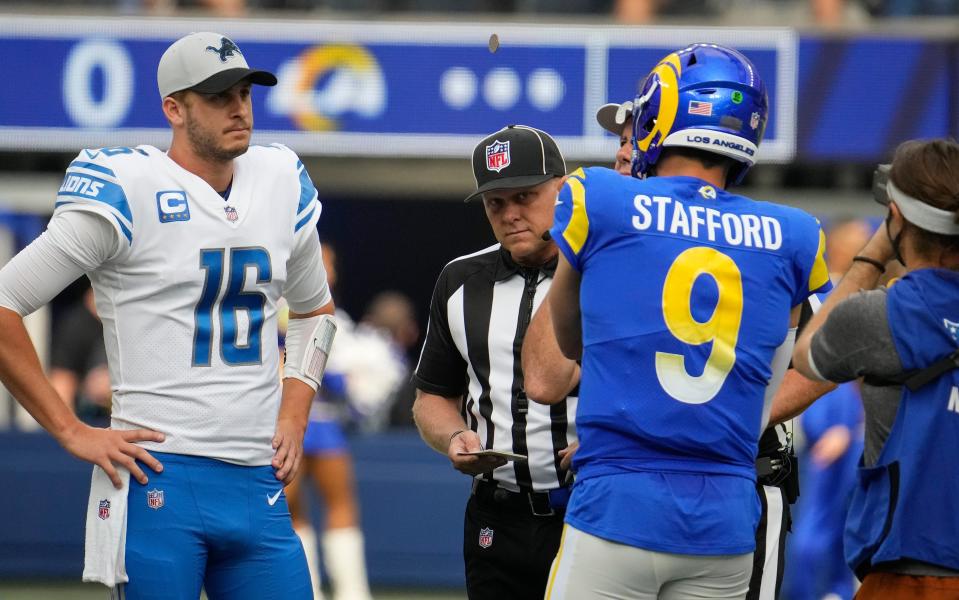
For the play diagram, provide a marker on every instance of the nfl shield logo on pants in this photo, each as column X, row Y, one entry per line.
column 497, row 156
column 155, row 499
column 486, row 537
column 103, row 511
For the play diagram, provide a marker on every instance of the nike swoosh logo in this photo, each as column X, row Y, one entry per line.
column 271, row 500
column 558, row 202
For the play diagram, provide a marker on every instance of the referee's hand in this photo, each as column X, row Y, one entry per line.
column 468, row 441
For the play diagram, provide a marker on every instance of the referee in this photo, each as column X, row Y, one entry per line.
column 470, row 389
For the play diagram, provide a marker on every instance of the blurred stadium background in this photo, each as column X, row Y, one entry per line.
column 383, row 100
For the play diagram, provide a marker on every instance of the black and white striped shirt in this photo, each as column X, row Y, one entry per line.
column 481, row 307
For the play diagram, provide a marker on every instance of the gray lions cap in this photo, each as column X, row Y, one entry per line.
column 205, row 62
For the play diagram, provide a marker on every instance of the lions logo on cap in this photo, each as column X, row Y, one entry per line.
column 497, row 156
column 227, row 49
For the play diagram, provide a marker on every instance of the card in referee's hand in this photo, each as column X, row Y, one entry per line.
column 499, row 453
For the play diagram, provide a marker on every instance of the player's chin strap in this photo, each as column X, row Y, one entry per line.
column 308, row 343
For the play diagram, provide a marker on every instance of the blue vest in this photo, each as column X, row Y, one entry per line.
column 907, row 504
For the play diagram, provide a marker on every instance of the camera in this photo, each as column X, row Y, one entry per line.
column 880, row 177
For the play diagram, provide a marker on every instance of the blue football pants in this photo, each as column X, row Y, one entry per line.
column 206, row 523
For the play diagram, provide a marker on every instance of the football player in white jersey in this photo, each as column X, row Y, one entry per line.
column 188, row 251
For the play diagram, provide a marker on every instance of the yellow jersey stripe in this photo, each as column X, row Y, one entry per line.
column 578, row 227
column 820, row 273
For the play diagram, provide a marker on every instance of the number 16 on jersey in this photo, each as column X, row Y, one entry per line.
column 233, row 300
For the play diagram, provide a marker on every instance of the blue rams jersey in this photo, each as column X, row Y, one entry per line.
column 686, row 294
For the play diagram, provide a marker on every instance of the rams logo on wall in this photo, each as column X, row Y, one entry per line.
column 326, row 82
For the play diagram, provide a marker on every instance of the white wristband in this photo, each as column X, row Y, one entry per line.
column 308, row 343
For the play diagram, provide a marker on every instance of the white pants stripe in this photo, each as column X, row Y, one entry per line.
column 771, row 546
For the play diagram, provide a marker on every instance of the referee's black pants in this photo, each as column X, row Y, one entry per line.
column 507, row 548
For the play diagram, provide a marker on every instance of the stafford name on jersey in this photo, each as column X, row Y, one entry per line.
column 668, row 215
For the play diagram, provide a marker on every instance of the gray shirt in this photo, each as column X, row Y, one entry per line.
column 856, row 342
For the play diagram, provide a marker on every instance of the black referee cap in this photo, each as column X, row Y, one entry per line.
column 516, row 156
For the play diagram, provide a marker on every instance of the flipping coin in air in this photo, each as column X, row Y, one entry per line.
column 493, row 43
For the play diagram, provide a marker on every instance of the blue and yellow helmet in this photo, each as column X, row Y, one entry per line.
column 703, row 96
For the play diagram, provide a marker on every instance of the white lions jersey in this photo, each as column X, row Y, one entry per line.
column 189, row 301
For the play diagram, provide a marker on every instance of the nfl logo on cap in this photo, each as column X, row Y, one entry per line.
column 497, row 156
column 155, row 499
column 485, row 537
column 103, row 511
column 516, row 156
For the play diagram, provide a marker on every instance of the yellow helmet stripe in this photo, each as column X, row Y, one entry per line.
column 667, row 73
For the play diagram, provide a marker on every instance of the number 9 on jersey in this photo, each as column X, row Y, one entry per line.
column 722, row 327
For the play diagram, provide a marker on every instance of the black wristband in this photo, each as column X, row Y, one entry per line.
column 872, row 261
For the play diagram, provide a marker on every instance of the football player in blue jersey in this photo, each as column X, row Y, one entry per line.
column 549, row 380
column 681, row 300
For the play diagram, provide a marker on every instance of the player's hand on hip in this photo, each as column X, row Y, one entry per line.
column 288, row 443
column 110, row 448
column 469, row 441
column 566, row 456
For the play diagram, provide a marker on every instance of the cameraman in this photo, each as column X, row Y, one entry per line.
column 901, row 531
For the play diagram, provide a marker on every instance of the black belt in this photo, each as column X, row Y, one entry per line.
column 535, row 503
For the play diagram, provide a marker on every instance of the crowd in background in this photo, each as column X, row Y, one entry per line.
column 826, row 13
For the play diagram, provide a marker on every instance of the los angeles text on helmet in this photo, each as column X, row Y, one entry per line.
column 666, row 215
column 702, row 139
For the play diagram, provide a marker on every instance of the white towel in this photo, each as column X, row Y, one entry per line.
column 105, row 544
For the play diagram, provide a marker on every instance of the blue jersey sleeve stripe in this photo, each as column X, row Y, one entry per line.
column 305, row 219
column 307, row 192
column 124, row 229
column 92, row 167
